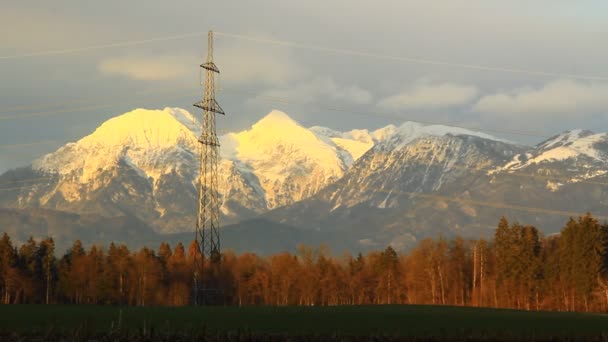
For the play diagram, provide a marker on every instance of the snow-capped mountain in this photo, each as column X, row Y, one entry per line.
column 145, row 163
column 152, row 142
column 569, row 157
column 427, row 180
column 376, row 198
column 289, row 162
column 361, row 189
column 419, row 158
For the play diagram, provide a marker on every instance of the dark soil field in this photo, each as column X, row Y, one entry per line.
column 414, row 323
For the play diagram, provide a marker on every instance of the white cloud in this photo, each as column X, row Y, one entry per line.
column 562, row 97
column 430, row 96
column 318, row 89
column 149, row 68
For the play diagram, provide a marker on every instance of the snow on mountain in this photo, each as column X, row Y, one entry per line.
column 382, row 134
column 568, row 157
column 356, row 142
column 388, row 195
column 274, row 163
column 569, row 145
column 152, row 156
column 373, row 186
column 417, row 159
column 290, row 161
column 398, row 137
column 151, row 141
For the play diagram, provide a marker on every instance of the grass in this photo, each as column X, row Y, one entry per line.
column 393, row 320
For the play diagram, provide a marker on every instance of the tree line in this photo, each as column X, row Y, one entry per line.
column 519, row 268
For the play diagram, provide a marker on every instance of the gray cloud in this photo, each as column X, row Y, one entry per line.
column 319, row 89
column 251, row 64
column 149, row 68
column 557, row 99
column 430, row 96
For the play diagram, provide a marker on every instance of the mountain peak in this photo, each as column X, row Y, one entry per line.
column 149, row 127
column 410, row 131
column 275, row 118
column 568, row 145
column 276, row 128
column 135, row 135
column 566, row 138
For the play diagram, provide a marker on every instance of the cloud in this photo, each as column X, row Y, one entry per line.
column 149, row 68
column 430, row 96
column 254, row 64
column 239, row 64
column 562, row 97
column 316, row 90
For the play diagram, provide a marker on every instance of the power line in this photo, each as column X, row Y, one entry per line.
column 17, row 188
column 102, row 46
column 402, row 59
column 481, row 170
column 78, row 109
column 495, row 205
column 489, row 171
column 537, row 134
column 400, row 117
column 89, row 99
column 26, row 180
column 273, row 99
column 29, row 144
column 286, row 101
column 409, row 59
column 58, row 111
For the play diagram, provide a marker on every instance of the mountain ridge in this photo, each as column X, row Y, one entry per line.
column 360, row 189
column 146, row 161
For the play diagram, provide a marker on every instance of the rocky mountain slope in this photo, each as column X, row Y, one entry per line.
column 427, row 183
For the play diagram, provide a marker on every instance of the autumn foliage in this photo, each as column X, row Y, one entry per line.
column 518, row 268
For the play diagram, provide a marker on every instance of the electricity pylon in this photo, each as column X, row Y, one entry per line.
column 207, row 222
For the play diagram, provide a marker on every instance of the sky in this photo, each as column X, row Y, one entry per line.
column 384, row 71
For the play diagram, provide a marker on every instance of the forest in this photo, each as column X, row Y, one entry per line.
column 518, row 268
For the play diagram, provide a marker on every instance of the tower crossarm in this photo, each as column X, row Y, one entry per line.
column 211, row 67
column 210, row 105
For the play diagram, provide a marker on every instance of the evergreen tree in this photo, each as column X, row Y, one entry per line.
column 164, row 252
column 31, row 265
column 72, row 270
column 503, row 249
column 117, row 265
column 49, row 267
column 389, row 270
column 582, row 257
column 8, row 261
column 530, row 272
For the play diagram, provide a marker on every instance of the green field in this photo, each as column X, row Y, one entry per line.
column 397, row 320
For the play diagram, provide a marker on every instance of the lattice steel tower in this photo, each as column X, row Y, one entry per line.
column 207, row 222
